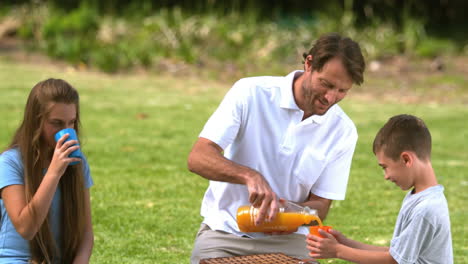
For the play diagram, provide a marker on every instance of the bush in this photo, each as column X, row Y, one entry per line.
column 432, row 47
column 70, row 36
column 243, row 41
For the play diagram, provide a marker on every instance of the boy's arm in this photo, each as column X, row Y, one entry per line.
column 336, row 245
column 358, row 245
column 353, row 243
column 362, row 256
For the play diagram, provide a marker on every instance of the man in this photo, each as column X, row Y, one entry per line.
column 282, row 137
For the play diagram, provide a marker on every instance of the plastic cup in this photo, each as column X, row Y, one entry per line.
column 72, row 136
column 314, row 230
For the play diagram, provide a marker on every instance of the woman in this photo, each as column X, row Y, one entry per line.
column 45, row 201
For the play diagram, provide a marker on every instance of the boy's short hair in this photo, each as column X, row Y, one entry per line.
column 403, row 133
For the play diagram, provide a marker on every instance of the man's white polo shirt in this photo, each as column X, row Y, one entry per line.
column 259, row 125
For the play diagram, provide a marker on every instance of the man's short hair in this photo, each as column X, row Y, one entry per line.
column 403, row 133
column 333, row 45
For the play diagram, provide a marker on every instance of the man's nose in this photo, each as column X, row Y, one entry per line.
column 331, row 96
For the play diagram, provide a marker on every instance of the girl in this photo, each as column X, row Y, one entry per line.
column 45, row 204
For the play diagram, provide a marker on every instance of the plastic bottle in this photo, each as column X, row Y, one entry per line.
column 289, row 218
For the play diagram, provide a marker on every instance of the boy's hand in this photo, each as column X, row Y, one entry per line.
column 325, row 247
column 338, row 236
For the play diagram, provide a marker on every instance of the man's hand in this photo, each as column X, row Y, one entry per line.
column 262, row 197
column 206, row 159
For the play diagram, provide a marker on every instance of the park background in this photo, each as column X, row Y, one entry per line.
column 150, row 73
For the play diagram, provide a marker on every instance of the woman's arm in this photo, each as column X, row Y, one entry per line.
column 84, row 252
column 26, row 222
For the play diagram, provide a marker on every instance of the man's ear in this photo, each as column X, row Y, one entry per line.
column 308, row 63
column 407, row 158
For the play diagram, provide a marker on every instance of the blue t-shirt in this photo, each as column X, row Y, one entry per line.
column 13, row 247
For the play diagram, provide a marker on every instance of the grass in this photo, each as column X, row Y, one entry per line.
column 139, row 129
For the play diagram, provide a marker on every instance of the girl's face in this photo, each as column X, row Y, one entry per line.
column 60, row 117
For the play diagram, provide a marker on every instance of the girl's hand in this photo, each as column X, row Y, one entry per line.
column 60, row 159
column 325, row 247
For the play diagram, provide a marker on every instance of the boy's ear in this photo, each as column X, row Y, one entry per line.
column 407, row 158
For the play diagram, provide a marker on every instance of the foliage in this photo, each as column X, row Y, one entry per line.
column 434, row 47
column 155, row 38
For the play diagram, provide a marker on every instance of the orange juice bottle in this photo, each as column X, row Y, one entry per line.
column 289, row 218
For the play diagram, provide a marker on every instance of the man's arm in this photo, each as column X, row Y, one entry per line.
column 206, row 160
column 322, row 205
column 333, row 179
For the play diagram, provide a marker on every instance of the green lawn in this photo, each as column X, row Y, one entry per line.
column 139, row 129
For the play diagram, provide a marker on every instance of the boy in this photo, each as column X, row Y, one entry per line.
column 422, row 231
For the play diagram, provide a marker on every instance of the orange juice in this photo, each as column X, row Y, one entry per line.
column 284, row 221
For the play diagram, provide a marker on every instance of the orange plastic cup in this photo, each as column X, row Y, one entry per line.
column 314, row 230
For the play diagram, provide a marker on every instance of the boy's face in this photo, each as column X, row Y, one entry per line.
column 397, row 171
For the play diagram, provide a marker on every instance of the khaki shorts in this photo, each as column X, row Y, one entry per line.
column 214, row 244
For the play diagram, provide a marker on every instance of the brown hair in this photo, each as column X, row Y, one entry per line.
column 34, row 153
column 403, row 133
column 333, row 45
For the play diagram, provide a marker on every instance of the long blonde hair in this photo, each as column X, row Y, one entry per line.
column 35, row 153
